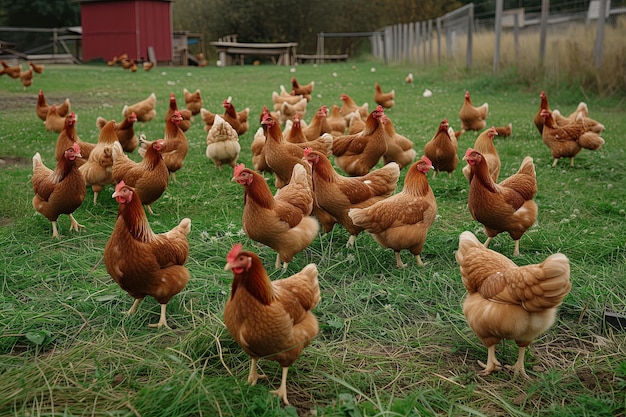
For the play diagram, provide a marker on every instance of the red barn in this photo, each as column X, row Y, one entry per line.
column 113, row 27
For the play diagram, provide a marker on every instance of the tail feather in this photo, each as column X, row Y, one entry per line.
column 37, row 160
column 590, row 140
column 467, row 241
column 527, row 167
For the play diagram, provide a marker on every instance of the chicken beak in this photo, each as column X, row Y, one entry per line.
column 228, row 266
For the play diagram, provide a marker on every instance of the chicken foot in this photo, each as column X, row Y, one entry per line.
column 133, row 308
column 74, row 224
column 162, row 321
column 254, row 376
column 279, row 263
column 518, row 368
column 55, row 231
column 282, row 390
column 399, row 262
column 492, row 363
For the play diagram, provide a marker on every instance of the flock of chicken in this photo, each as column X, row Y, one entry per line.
column 15, row 71
column 273, row 319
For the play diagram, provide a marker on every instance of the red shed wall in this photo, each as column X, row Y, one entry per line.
column 111, row 28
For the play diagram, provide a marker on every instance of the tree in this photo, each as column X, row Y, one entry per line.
column 40, row 13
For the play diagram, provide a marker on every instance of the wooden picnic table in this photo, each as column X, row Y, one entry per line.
column 283, row 53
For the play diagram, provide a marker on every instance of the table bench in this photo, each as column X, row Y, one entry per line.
column 233, row 52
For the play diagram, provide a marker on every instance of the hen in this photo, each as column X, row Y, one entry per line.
column 279, row 99
column 54, row 121
column 149, row 177
column 504, row 207
column 484, row 144
column 125, row 132
column 402, row 220
column 289, row 111
column 303, row 90
column 399, row 147
column 12, row 71
column 237, row 119
column 348, row 105
column 580, row 114
column 357, row 154
column 142, row 262
column 270, row 319
column 543, row 105
column 222, row 143
column 176, row 145
column 98, row 170
column 38, row 68
column 323, row 144
column 61, row 191
column 473, row 118
column 506, row 301
column 185, row 123
column 144, row 109
column 355, row 123
column 42, row 107
column 68, row 137
column 193, row 101
column 387, row 100
column 336, row 121
column 568, row 140
column 504, row 131
column 26, row 77
column 337, row 194
column 282, row 221
column 319, row 124
column 443, row 149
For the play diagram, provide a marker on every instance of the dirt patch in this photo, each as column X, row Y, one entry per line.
column 13, row 161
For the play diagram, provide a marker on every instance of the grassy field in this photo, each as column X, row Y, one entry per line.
column 392, row 342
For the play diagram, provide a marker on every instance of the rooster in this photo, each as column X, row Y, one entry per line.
column 282, row 221
column 473, row 118
column 506, row 301
column 61, row 191
column 442, row 150
column 504, row 207
column 142, row 262
column 270, row 319
column 402, row 220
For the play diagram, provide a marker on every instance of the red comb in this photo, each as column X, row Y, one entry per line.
column 76, row 147
column 239, row 169
column 379, row 108
column 172, row 96
column 119, row 186
column 307, row 151
column 234, row 252
column 425, row 159
column 177, row 113
column 469, row 151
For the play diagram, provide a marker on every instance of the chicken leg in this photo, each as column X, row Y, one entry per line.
column 74, row 224
column 518, row 368
column 162, row 321
column 55, row 231
column 282, row 390
column 133, row 308
column 492, row 363
column 418, row 259
column 254, row 376
column 399, row 262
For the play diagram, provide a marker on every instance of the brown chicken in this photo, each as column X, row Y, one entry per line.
column 357, row 154
column 337, row 194
column 484, row 144
column 237, row 119
column 125, row 131
column 319, row 124
column 68, row 137
column 193, row 101
column 336, row 121
column 323, row 144
column 279, row 99
column 270, row 319
column 38, row 68
column 355, row 123
column 54, row 121
column 149, row 177
column 442, row 150
column 147, row 65
column 506, row 301
column 98, row 170
column 504, row 131
column 580, row 114
column 473, row 118
column 176, row 145
column 402, row 220
column 399, row 147
column 144, row 109
column 387, row 100
column 142, row 262
column 12, row 71
column 303, row 90
column 185, row 123
column 289, row 111
column 27, row 78
column 222, row 143
column 42, row 107
column 348, row 105
column 61, row 191
column 282, row 221
column 567, row 141
column 504, row 207
column 543, row 105
column 259, row 163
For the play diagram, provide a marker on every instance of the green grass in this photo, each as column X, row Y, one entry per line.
column 392, row 342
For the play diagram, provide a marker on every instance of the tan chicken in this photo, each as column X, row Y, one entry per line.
column 338, row 124
column 270, row 319
column 303, row 90
column 259, row 163
column 185, row 123
column 504, row 207
column 42, row 107
column 318, row 125
column 399, row 147
column 484, row 144
column 402, row 221
column 54, row 121
column 289, row 111
column 567, row 141
column 443, row 149
column 387, row 100
column 279, row 99
column 142, row 262
column 61, row 191
column 145, row 110
column 222, row 143
column 98, row 170
column 506, row 301
column 282, row 221
column 323, row 144
column 504, row 131
column 149, row 177
column 147, row 65
column 355, row 123
column 580, row 114
column 357, row 154
column 26, row 77
column 337, row 194
column 125, row 132
column 348, row 105
column 193, row 101
column 473, row 118
column 38, row 68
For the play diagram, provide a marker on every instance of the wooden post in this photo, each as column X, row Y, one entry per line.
column 498, row 30
column 470, row 36
column 438, row 40
column 430, row 41
column 516, row 35
column 597, row 50
column 545, row 10
column 418, row 41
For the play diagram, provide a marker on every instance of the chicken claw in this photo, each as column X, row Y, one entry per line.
column 492, row 363
column 518, row 368
column 254, row 376
column 74, row 224
column 162, row 321
column 282, row 390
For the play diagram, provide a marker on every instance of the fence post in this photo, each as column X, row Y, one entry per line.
column 498, row 30
column 545, row 10
column 438, row 41
column 600, row 36
column 470, row 36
